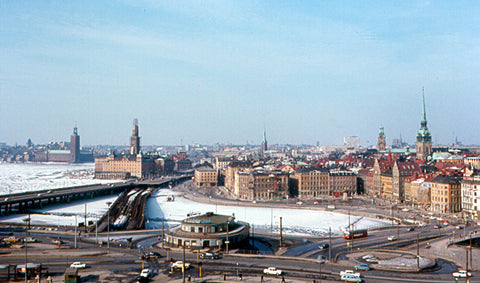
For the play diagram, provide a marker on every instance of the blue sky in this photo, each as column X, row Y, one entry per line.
column 221, row 71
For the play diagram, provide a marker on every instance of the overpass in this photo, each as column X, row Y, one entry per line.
column 471, row 238
column 24, row 202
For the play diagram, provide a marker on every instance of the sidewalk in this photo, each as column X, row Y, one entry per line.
column 454, row 253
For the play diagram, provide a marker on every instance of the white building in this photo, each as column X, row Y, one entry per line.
column 470, row 187
column 352, row 141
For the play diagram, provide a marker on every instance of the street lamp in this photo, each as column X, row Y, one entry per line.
column 227, row 241
column 320, row 261
column 26, row 220
column 108, row 226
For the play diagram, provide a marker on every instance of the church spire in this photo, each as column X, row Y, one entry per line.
column 423, row 122
column 264, row 142
column 424, row 137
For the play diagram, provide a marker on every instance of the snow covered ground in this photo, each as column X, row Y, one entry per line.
column 64, row 214
column 294, row 221
column 24, row 177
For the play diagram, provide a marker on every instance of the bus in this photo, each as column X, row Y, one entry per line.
column 359, row 233
column 32, row 269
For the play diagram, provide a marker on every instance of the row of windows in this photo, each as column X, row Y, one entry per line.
column 201, row 229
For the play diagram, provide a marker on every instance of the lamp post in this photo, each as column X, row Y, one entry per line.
column 320, row 261
column 108, row 226
column 227, row 241
column 26, row 220
column 76, row 233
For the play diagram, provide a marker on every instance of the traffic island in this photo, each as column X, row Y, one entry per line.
column 390, row 261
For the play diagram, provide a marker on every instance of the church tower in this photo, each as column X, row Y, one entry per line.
column 264, row 146
column 381, row 140
column 264, row 142
column 424, row 138
column 135, row 139
column 75, row 146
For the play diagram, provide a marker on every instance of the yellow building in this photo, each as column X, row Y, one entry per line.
column 230, row 171
column 124, row 167
column 205, row 176
column 446, row 194
column 386, row 180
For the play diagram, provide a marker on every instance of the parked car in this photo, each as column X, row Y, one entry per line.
column 392, row 238
column 209, row 256
column 323, row 246
column 362, row 266
column 350, row 278
column 78, row 264
column 272, row 271
column 179, row 265
column 147, row 273
column 350, row 272
column 461, row 274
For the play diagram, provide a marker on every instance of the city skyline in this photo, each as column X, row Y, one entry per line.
column 193, row 73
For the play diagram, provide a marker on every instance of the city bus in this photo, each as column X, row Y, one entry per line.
column 32, row 269
column 359, row 233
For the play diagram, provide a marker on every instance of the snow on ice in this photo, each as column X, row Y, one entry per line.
column 264, row 219
column 25, row 177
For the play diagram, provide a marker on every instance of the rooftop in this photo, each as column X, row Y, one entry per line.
column 209, row 218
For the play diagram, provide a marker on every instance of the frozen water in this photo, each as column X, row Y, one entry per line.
column 265, row 219
column 25, row 177
column 64, row 214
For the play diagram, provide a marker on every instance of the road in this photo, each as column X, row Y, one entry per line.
column 127, row 262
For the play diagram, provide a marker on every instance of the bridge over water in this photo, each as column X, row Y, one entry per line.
column 24, row 202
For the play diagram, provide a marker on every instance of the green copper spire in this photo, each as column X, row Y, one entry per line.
column 423, row 122
column 423, row 134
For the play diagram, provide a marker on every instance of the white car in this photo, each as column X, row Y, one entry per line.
column 461, row 274
column 29, row 240
column 147, row 273
column 349, row 272
column 272, row 271
column 179, row 265
column 78, row 264
column 392, row 238
column 350, row 278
